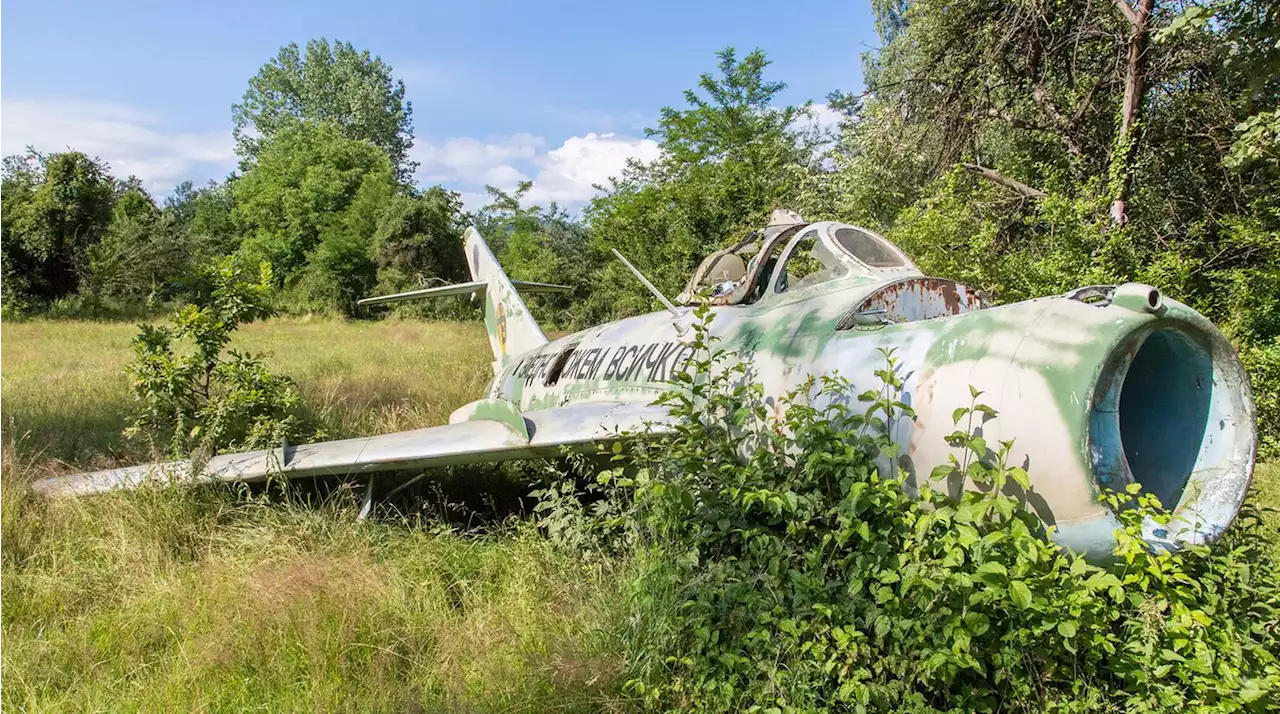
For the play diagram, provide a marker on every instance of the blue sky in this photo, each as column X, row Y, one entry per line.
column 555, row 92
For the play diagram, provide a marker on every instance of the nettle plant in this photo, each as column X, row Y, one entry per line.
column 196, row 396
column 783, row 570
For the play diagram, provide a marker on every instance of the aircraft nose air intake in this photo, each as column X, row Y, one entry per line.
column 1171, row 412
column 1096, row 390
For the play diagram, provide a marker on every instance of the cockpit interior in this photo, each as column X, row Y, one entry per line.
column 790, row 256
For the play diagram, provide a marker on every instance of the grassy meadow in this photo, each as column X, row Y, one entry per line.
column 201, row 602
column 196, row 601
column 66, row 397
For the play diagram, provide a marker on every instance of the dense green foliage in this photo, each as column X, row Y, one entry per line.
column 786, row 572
column 996, row 146
column 193, row 395
column 728, row 159
column 329, row 84
column 990, row 144
column 323, row 195
column 183, row 600
column 1025, row 148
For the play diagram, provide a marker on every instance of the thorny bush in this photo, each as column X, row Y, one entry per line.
column 781, row 571
column 194, row 395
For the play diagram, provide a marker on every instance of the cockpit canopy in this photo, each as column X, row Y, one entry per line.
column 791, row 255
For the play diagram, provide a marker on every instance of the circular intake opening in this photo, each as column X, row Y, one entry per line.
column 1170, row 414
column 1164, row 408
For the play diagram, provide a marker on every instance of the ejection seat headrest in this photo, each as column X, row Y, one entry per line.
column 729, row 266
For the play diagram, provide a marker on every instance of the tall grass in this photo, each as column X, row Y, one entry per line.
column 66, row 397
column 169, row 601
column 214, row 601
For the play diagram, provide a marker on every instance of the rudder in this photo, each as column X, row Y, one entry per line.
column 511, row 327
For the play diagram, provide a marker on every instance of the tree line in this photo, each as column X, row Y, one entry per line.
column 1024, row 148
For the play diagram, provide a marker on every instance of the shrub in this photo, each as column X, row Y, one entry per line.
column 784, row 571
column 195, row 395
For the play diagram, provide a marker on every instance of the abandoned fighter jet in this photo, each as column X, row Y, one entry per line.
column 1098, row 388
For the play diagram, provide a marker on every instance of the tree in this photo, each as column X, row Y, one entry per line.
column 1031, row 147
column 541, row 245
column 305, row 179
column 207, row 214
column 334, row 84
column 56, row 207
column 734, row 121
column 140, row 259
column 728, row 158
column 417, row 240
column 133, row 202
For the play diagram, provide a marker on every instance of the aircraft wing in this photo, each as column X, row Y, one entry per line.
column 477, row 287
column 484, row 431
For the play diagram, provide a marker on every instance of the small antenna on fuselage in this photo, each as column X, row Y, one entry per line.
column 640, row 276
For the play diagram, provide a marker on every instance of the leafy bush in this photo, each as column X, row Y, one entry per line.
column 139, row 259
column 195, row 395
column 786, row 572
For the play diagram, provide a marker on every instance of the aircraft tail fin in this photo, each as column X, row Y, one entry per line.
column 512, row 329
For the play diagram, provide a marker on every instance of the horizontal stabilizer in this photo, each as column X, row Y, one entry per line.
column 481, row 434
column 463, row 289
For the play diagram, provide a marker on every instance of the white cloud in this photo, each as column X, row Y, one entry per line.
column 136, row 142
column 472, row 161
column 565, row 174
column 133, row 142
column 569, row 173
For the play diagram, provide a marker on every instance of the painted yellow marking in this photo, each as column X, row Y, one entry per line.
column 502, row 327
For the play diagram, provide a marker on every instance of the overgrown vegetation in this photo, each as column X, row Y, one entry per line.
column 1024, row 148
column 67, row 398
column 662, row 586
column 200, row 397
column 197, row 601
column 748, row 562
column 785, row 571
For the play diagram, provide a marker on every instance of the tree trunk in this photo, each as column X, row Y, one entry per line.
column 1012, row 184
column 1122, row 152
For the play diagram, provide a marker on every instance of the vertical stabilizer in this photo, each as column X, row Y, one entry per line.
column 511, row 328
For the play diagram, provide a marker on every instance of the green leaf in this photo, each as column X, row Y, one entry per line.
column 977, row 623
column 1067, row 628
column 958, row 414
column 992, row 573
column 1251, row 690
column 1020, row 594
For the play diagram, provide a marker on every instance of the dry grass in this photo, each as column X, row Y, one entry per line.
column 65, row 395
column 204, row 601
column 181, row 602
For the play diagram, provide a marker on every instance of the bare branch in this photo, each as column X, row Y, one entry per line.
column 1088, row 100
column 1064, row 127
column 1129, row 14
column 999, row 178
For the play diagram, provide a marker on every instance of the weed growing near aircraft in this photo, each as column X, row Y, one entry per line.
column 193, row 397
column 801, row 578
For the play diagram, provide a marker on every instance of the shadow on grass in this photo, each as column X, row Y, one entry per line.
column 473, row 498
